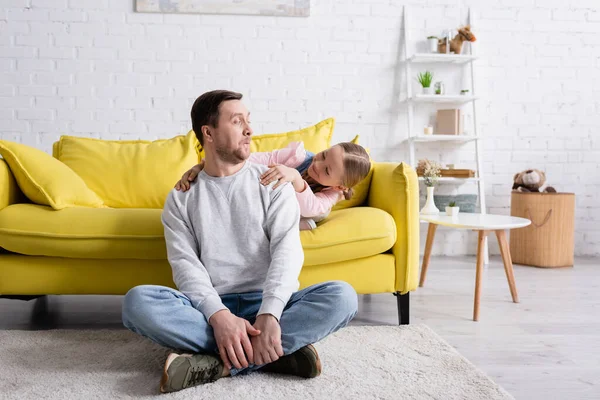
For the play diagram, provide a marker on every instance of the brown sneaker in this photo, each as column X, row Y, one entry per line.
column 304, row 362
column 187, row 370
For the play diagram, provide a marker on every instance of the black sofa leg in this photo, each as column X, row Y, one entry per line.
column 41, row 317
column 403, row 301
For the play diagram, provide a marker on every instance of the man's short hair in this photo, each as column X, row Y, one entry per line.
column 205, row 110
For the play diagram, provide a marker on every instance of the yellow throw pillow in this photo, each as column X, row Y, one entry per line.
column 129, row 173
column 45, row 180
column 361, row 190
column 316, row 138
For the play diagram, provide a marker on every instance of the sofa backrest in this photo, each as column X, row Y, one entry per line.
column 140, row 173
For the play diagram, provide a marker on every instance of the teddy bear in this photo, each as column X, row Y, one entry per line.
column 531, row 180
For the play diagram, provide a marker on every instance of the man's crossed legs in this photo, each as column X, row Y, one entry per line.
column 167, row 317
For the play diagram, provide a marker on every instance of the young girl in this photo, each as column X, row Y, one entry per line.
column 320, row 180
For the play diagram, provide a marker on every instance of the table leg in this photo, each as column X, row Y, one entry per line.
column 427, row 254
column 508, row 266
column 479, row 272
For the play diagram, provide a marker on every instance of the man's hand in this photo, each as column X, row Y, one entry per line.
column 189, row 176
column 282, row 174
column 267, row 346
column 231, row 334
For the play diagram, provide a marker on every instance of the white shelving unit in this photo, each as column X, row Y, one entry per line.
column 430, row 58
column 443, row 138
column 437, row 98
column 456, row 60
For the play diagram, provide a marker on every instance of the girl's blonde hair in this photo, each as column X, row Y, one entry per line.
column 357, row 165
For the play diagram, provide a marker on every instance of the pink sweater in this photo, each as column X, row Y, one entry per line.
column 311, row 204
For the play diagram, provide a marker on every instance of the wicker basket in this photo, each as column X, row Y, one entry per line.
column 550, row 239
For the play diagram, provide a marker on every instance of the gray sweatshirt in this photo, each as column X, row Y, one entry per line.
column 234, row 235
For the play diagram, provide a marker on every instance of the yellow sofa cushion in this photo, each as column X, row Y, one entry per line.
column 111, row 233
column 316, row 138
column 104, row 233
column 129, row 173
column 9, row 189
column 349, row 234
column 45, row 180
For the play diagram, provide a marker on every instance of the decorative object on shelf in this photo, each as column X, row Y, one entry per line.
column 531, row 180
column 464, row 34
column 452, row 209
column 449, row 122
column 428, row 130
column 432, row 42
column 452, row 173
column 464, row 92
column 431, row 172
column 425, row 80
column 439, row 88
column 457, row 173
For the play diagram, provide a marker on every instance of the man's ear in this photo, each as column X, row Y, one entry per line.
column 207, row 133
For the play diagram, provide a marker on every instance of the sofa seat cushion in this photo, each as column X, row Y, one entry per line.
column 349, row 234
column 137, row 233
column 105, row 233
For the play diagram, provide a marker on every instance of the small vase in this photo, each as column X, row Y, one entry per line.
column 433, row 45
column 430, row 207
column 428, row 90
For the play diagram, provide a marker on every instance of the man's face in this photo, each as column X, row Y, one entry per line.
column 231, row 138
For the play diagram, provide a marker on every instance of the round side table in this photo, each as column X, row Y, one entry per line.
column 484, row 224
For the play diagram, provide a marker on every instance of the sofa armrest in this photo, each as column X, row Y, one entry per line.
column 395, row 189
column 9, row 190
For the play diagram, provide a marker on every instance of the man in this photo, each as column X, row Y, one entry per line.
column 235, row 251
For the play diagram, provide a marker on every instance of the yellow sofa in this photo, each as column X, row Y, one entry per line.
column 108, row 250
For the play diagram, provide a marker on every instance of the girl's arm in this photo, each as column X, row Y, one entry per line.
column 291, row 156
column 313, row 204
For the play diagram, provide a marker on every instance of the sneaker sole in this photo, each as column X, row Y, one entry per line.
column 165, row 375
column 317, row 361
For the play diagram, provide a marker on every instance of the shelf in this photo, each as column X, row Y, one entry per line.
column 441, row 58
column 446, row 179
column 439, row 98
column 443, row 138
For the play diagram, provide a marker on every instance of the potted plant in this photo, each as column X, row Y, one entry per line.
column 431, row 172
column 464, row 92
column 425, row 80
column 432, row 42
column 452, row 209
column 439, row 88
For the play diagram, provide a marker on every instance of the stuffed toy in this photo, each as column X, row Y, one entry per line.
column 531, row 180
column 464, row 34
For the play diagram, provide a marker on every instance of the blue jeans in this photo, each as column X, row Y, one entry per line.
column 167, row 317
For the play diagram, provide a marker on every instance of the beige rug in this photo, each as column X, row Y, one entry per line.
column 365, row 362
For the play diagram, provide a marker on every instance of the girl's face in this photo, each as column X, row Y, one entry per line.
column 327, row 167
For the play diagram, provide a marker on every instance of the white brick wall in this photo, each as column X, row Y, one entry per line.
column 97, row 68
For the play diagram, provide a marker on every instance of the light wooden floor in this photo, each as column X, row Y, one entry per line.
column 545, row 347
